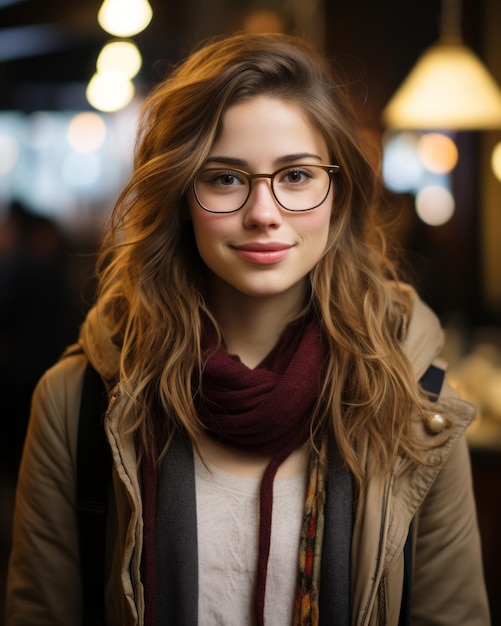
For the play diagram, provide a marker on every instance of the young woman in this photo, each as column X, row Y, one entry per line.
column 275, row 458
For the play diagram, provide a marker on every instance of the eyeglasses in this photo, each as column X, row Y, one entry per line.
column 295, row 187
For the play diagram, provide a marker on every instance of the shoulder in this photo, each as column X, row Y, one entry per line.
column 45, row 541
column 423, row 339
column 62, row 383
column 56, row 400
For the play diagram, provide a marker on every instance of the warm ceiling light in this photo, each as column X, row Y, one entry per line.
column 124, row 18
column 109, row 92
column 119, row 56
column 448, row 88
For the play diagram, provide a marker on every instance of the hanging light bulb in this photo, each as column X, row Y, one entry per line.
column 110, row 91
column 124, row 18
column 448, row 88
column 119, row 56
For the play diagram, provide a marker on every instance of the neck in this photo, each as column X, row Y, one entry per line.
column 250, row 464
column 251, row 326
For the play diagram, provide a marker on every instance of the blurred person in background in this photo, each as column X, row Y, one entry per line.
column 37, row 315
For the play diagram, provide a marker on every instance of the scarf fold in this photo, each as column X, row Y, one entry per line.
column 266, row 409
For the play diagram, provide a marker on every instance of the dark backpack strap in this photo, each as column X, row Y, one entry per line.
column 405, row 606
column 431, row 381
column 93, row 472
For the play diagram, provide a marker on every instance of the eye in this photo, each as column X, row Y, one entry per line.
column 223, row 179
column 295, row 176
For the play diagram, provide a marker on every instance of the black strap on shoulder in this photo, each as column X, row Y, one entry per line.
column 431, row 381
column 93, row 472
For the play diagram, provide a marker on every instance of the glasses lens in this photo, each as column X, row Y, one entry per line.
column 221, row 190
column 301, row 187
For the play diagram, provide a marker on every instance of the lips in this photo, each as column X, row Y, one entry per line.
column 263, row 253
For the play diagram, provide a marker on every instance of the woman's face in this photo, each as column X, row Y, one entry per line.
column 262, row 249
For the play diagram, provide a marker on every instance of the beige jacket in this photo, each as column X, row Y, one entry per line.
column 43, row 582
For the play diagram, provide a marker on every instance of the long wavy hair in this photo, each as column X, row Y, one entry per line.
column 152, row 283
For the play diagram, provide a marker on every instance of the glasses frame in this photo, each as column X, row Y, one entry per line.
column 330, row 169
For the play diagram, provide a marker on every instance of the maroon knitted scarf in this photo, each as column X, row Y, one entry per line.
column 267, row 410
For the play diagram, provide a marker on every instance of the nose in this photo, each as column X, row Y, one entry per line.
column 261, row 209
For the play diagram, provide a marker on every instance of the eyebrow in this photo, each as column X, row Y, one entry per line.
column 283, row 160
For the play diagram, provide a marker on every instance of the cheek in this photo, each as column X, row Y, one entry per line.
column 319, row 239
column 318, row 227
column 200, row 219
column 209, row 228
column 210, row 231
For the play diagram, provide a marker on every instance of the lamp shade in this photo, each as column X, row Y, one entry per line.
column 448, row 88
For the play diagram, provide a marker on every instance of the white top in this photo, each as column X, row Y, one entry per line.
column 228, row 514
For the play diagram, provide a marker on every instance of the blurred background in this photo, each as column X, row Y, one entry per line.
column 68, row 103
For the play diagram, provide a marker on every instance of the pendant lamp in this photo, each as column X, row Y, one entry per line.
column 449, row 88
column 124, row 18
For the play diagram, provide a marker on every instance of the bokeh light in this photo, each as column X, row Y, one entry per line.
column 81, row 170
column 109, row 92
column 435, row 205
column 122, row 57
column 496, row 161
column 402, row 168
column 124, row 18
column 86, row 132
column 437, row 152
column 9, row 149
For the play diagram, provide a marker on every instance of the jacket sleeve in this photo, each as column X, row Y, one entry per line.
column 448, row 580
column 43, row 585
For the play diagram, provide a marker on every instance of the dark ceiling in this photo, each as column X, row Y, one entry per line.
column 48, row 48
column 45, row 40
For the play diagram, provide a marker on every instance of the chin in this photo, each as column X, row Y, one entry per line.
column 270, row 290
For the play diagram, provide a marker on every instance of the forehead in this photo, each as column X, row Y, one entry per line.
column 267, row 127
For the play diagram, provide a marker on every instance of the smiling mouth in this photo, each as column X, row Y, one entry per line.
column 263, row 253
